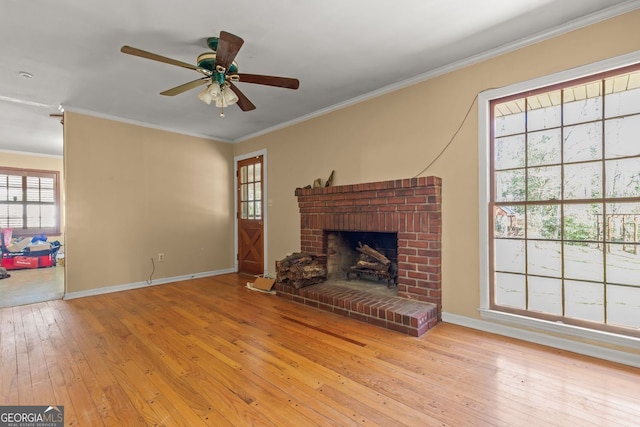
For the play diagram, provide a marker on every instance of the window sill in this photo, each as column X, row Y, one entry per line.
column 560, row 328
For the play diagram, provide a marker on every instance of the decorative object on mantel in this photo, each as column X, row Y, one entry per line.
column 317, row 183
column 329, row 182
column 300, row 269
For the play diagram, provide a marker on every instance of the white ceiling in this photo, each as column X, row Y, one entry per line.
column 341, row 51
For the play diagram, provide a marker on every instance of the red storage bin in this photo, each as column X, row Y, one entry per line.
column 46, row 261
column 25, row 262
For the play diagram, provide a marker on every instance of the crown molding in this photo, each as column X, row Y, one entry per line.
column 585, row 21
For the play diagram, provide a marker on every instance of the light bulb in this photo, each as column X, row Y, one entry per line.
column 205, row 96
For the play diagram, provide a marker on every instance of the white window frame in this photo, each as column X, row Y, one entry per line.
column 37, row 173
column 484, row 178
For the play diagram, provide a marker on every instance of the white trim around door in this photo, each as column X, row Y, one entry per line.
column 265, row 210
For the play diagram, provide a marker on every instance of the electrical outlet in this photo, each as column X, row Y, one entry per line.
column 161, row 257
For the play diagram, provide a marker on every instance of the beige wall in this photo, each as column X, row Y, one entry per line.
column 50, row 163
column 396, row 135
column 133, row 192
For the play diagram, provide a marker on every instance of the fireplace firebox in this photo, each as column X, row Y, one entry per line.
column 346, row 261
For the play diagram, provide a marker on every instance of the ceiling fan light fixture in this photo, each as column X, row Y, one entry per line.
column 223, row 96
column 205, row 96
column 228, row 97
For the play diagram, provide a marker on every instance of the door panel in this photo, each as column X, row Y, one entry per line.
column 250, row 216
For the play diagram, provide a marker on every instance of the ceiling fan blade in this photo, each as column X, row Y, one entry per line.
column 228, row 47
column 185, row 87
column 144, row 54
column 284, row 82
column 243, row 101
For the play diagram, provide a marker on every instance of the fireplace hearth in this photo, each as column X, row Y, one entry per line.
column 407, row 212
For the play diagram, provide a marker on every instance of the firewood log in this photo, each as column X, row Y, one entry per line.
column 366, row 249
column 372, row 266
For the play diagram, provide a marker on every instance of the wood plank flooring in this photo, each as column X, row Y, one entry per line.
column 212, row 352
column 28, row 286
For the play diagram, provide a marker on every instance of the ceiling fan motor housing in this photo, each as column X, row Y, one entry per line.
column 212, row 42
column 207, row 61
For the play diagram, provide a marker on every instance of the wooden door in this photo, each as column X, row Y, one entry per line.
column 250, row 216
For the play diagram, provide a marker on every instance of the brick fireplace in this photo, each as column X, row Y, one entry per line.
column 411, row 208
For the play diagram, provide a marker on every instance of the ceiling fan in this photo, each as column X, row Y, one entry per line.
column 220, row 73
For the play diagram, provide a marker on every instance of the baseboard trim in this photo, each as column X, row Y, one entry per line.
column 137, row 285
column 630, row 358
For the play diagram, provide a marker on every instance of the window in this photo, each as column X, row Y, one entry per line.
column 250, row 189
column 29, row 201
column 564, row 202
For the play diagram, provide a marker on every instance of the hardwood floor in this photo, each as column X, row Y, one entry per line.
column 32, row 285
column 212, row 352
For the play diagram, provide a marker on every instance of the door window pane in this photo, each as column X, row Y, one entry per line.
column 244, row 192
column 244, row 174
column 250, row 173
column 258, row 173
column 251, row 213
column 250, row 193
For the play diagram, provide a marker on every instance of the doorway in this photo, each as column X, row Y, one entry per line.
column 31, row 195
column 250, row 214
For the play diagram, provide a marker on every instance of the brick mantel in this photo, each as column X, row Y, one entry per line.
column 409, row 207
